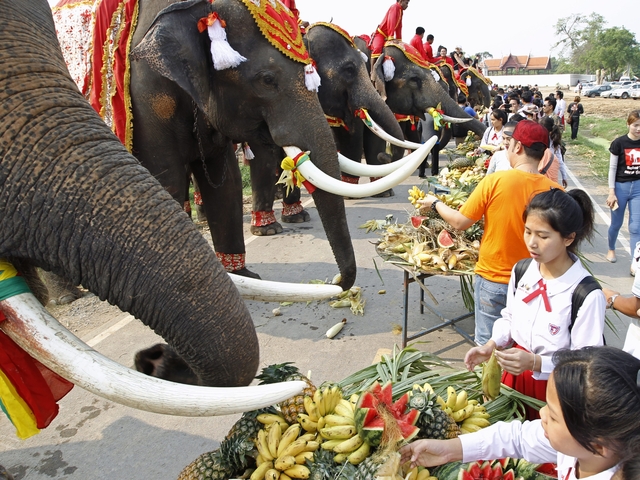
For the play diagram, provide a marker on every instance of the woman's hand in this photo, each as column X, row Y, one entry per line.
column 431, row 453
column 515, row 361
column 612, row 200
column 477, row 355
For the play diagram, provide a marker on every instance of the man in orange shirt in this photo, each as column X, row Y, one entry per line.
column 391, row 27
column 428, row 50
column 501, row 199
column 416, row 42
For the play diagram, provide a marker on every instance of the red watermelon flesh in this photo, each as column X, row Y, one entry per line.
column 509, row 475
column 416, row 221
column 377, row 403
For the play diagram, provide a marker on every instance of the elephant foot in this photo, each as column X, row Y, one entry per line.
column 161, row 361
column 301, row 217
column 385, row 194
column 245, row 272
column 266, row 230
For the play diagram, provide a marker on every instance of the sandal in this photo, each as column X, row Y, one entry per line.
column 612, row 258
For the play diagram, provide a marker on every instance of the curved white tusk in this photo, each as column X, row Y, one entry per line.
column 379, row 131
column 449, row 119
column 363, row 170
column 39, row 334
column 329, row 184
column 266, row 291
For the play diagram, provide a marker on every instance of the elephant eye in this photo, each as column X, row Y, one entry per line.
column 417, row 81
column 268, row 79
column 349, row 70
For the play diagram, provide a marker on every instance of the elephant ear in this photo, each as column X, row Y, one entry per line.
column 175, row 49
column 377, row 77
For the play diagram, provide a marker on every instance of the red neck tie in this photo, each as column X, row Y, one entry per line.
column 541, row 290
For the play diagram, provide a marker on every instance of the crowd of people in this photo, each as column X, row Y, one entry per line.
column 536, row 306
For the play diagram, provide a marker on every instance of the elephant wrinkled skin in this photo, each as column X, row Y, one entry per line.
column 76, row 203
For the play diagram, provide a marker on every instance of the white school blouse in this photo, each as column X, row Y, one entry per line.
column 541, row 332
column 521, row 440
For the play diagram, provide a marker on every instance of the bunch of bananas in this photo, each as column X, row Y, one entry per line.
column 464, row 176
column 469, row 414
column 282, row 455
column 323, row 403
column 419, row 473
column 341, row 435
column 415, row 194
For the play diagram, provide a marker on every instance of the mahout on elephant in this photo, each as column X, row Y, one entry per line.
column 76, row 203
column 410, row 88
column 479, row 87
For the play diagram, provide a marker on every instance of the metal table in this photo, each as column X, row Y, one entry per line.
column 410, row 276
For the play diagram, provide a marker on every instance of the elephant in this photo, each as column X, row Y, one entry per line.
column 479, row 87
column 76, row 203
column 413, row 91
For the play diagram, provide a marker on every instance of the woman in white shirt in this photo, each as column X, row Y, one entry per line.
column 536, row 321
column 493, row 135
column 590, row 426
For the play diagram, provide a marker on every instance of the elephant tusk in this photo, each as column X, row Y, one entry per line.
column 39, row 334
column 363, row 170
column 379, row 131
column 329, row 184
column 266, row 291
column 455, row 120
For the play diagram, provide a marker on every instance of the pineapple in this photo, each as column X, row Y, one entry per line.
column 433, row 421
column 234, row 454
column 324, row 468
column 462, row 162
column 286, row 372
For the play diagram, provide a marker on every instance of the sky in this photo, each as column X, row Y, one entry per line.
column 528, row 28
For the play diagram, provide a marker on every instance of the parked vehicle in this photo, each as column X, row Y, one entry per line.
column 635, row 93
column 625, row 92
column 596, row 90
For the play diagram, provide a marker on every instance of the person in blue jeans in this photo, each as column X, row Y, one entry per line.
column 624, row 185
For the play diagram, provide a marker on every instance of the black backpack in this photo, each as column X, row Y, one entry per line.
column 587, row 285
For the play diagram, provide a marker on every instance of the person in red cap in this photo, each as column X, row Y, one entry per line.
column 391, row 27
column 501, row 199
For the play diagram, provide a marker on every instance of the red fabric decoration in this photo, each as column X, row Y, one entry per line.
column 231, row 261
column 289, row 209
column 209, row 20
column 541, row 290
column 197, row 198
column 262, row 218
column 336, row 122
column 350, row 179
column 38, row 386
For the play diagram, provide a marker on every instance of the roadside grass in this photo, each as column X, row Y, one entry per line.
column 592, row 145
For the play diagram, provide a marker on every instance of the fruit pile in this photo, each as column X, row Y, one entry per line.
column 465, row 176
column 352, row 430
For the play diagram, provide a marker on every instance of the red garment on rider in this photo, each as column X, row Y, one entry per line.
column 391, row 27
column 447, row 59
column 428, row 52
column 291, row 5
column 416, row 42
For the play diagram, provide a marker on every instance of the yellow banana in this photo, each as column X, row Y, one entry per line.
column 353, row 399
column 336, row 396
column 432, row 478
column 273, row 438
column 451, row 397
column 288, row 437
column 284, row 476
column 303, row 457
column 412, row 474
column 423, row 474
column 326, row 399
column 284, row 463
column 480, row 415
column 474, row 402
column 317, row 399
column 259, row 473
column 461, row 401
column 467, row 411
column 312, row 446
column 344, row 411
column 427, row 388
column 308, row 436
column 295, row 448
column 360, row 454
column 342, row 431
column 340, row 458
column 441, row 401
column 470, row 427
column 263, row 446
column 298, row 471
column 307, row 424
column 348, row 404
column 464, row 430
column 311, row 409
column 480, row 422
column 491, row 376
column 448, row 411
column 269, row 418
column 260, row 459
column 458, row 416
column 349, row 445
column 272, row 474
column 333, row 420
column 331, row 444
column 479, row 408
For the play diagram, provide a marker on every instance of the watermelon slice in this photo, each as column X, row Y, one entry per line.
column 445, row 240
column 416, row 221
column 376, row 408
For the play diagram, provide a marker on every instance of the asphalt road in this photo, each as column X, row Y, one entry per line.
column 95, row 439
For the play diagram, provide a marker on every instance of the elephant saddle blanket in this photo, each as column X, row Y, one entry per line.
column 29, row 391
column 95, row 36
